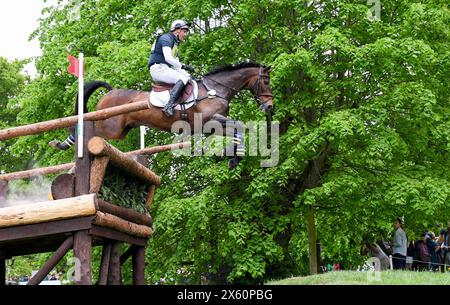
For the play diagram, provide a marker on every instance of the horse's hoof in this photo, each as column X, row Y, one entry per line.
column 55, row 144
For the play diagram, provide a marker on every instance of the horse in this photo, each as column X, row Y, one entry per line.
column 215, row 91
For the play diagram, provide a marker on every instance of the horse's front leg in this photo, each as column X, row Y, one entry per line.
column 235, row 130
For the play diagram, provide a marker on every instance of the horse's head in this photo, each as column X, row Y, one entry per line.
column 259, row 86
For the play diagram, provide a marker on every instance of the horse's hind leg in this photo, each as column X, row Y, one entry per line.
column 112, row 128
column 70, row 140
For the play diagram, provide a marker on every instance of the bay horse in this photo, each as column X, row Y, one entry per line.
column 226, row 81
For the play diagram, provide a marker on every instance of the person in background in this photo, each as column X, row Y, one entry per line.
column 399, row 246
column 422, row 253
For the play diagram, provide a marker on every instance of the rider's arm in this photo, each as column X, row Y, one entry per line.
column 174, row 62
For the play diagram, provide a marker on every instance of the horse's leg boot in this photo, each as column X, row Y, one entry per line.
column 63, row 145
column 174, row 96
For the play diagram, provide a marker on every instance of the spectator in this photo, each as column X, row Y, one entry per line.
column 439, row 243
column 410, row 254
column 422, row 253
column 431, row 243
column 446, row 246
column 399, row 246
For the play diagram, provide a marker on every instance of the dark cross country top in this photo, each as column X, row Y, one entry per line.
column 156, row 55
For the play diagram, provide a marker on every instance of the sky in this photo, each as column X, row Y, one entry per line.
column 18, row 19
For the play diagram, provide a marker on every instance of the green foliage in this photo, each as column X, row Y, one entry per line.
column 364, row 120
column 123, row 190
column 12, row 82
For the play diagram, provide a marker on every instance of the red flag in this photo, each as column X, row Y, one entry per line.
column 73, row 67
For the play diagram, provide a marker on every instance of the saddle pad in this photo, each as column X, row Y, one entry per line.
column 160, row 87
column 160, row 99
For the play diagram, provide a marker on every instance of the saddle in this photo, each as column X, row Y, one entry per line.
column 161, row 87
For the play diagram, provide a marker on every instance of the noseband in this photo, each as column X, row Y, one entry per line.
column 255, row 91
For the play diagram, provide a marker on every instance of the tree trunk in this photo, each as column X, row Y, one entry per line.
column 312, row 240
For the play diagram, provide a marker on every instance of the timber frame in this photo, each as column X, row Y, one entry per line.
column 54, row 226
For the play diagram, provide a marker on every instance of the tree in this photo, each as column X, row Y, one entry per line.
column 12, row 82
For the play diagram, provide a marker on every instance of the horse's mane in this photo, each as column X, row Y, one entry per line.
column 234, row 67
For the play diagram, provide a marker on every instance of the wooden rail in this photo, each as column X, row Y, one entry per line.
column 64, row 167
column 70, row 121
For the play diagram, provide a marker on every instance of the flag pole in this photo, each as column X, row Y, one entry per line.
column 143, row 132
column 80, row 128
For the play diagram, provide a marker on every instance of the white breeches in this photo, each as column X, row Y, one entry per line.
column 163, row 73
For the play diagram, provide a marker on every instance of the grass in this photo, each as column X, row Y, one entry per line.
column 365, row 278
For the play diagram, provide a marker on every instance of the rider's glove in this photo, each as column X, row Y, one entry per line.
column 187, row 68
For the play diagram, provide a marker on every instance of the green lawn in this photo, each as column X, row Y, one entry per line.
column 363, row 278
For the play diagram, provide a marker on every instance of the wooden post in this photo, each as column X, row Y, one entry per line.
column 3, row 192
column 139, row 266
column 52, row 262
column 114, row 274
column 82, row 250
column 2, row 271
column 83, row 165
column 104, row 266
column 82, row 243
column 312, row 239
column 150, row 196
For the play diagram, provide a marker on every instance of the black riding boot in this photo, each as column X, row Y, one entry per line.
column 174, row 95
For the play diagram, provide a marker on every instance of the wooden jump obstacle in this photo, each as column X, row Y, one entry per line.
column 78, row 218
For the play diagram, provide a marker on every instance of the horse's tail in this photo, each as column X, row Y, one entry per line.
column 89, row 89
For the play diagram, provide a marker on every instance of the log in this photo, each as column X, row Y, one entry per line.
column 119, row 224
column 126, row 255
column 158, row 149
column 64, row 167
column 104, row 266
column 98, row 170
column 82, row 250
column 99, row 147
column 125, row 213
column 138, row 261
column 83, row 165
column 150, row 196
column 114, row 272
column 52, row 262
column 70, row 121
column 63, row 186
column 48, row 211
column 37, row 172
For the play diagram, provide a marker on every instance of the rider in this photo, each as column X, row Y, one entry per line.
column 164, row 64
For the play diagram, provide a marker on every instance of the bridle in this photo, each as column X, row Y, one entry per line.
column 255, row 92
